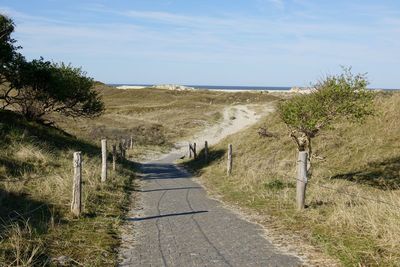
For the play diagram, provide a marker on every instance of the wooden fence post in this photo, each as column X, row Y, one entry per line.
column 124, row 146
column 131, row 142
column 194, row 151
column 301, row 180
column 229, row 164
column 114, row 156
column 103, row 160
column 206, row 151
column 76, row 203
column 121, row 150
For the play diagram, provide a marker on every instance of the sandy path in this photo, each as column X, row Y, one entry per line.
column 235, row 118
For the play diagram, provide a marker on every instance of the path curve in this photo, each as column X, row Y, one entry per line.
column 175, row 223
column 234, row 119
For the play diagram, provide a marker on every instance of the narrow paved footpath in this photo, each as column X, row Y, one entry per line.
column 176, row 224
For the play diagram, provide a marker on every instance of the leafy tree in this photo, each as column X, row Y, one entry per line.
column 40, row 87
column 8, row 49
column 336, row 97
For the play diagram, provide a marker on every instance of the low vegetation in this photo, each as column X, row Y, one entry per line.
column 353, row 198
column 35, row 193
column 156, row 118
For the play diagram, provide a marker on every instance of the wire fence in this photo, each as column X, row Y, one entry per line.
column 351, row 194
column 18, row 215
column 294, row 163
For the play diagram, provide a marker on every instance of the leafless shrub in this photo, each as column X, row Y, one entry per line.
column 263, row 132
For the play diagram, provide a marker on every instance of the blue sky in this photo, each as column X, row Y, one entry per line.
column 219, row 42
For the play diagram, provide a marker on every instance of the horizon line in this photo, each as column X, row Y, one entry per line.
column 210, row 85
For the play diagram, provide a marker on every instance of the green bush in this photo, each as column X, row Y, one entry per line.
column 37, row 88
column 336, row 97
column 8, row 49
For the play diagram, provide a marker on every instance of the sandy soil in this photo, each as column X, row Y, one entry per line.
column 235, row 119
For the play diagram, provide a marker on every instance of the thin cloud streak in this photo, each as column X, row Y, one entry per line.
column 229, row 38
column 92, row 36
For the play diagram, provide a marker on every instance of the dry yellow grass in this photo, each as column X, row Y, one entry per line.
column 157, row 118
column 358, row 169
column 35, row 194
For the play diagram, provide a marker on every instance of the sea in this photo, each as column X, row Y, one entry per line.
column 220, row 87
column 230, row 87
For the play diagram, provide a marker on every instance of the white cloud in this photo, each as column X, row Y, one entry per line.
column 201, row 39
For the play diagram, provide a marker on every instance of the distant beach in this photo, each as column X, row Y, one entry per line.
column 233, row 89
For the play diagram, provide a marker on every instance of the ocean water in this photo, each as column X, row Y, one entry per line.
column 219, row 87
column 230, row 87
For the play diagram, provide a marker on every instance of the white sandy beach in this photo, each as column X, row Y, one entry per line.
column 133, row 87
column 183, row 88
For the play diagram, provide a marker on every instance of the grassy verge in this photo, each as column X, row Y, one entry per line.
column 35, row 190
column 357, row 169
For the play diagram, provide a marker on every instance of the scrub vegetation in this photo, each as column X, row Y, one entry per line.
column 156, row 118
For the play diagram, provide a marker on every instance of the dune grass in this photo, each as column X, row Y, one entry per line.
column 356, row 172
column 157, row 118
column 35, row 190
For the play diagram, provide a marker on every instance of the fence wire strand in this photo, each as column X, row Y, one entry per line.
column 351, row 194
column 19, row 215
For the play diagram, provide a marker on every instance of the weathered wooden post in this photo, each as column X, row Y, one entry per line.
column 194, row 151
column 131, row 142
column 121, row 149
column 124, row 144
column 114, row 156
column 229, row 164
column 76, row 203
column 301, row 180
column 206, row 151
column 103, row 160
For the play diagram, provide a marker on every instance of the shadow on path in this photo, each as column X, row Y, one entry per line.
column 159, row 171
column 196, row 230
column 168, row 189
column 166, row 215
column 196, row 165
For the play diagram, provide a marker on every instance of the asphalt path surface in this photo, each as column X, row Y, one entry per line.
column 175, row 223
